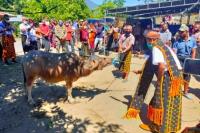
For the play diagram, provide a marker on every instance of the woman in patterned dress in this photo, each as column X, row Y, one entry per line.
column 7, row 40
column 125, row 48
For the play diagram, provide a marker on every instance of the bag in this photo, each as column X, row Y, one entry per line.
column 69, row 48
column 27, row 42
column 116, row 62
column 122, row 57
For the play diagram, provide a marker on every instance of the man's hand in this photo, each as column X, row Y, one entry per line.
column 137, row 71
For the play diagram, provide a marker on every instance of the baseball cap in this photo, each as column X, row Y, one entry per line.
column 184, row 27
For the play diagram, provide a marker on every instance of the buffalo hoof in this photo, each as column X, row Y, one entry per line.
column 72, row 100
column 32, row 102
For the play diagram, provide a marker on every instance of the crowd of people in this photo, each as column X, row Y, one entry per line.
column 65, row 35
column 166, row 52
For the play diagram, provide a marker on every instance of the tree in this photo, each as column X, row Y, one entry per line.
column 119, row 3
column 11, row 5
column 39, row 9
column 99, row 12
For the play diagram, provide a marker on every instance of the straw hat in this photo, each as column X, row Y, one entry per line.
column 153, row 35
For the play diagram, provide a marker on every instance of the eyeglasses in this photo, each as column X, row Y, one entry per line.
column 151, row 39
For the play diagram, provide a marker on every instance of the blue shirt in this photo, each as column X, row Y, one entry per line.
column 2, row 27
column 184, row 48
column 8, row 31
column 100, row 32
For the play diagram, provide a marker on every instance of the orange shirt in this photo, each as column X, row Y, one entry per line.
column 92, row 36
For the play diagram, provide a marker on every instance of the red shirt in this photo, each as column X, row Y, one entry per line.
column 44, row 30
column 69, row 33
column 84, row 35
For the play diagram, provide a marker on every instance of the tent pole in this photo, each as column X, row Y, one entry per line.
column 199, row 14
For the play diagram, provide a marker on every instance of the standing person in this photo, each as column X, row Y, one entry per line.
column 165, row 34
column 60, row 33
column 126, row 42
column 32, row 38
column 138, row 47
column 84, row 38
column 99, row 37
column 164, row 109
column 115, row 38
column 24, row 26
column 39, row 36
column 110, row 38
column 185, row 47
column 92, row 34
column 7, row 40
column 196, row 35
column 68, row 37
column 75, row 36
column 45, row 30
column 52, row 34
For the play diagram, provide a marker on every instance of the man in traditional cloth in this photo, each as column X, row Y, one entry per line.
column 164, row 110
column 7, row 40
column 60, row 33
column 126, row 42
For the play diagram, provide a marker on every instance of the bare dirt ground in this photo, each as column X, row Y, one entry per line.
column 104, row 100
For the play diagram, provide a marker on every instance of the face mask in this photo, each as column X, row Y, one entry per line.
column 149, row 46
column 60, row 24
column 47, row 23
column 7, row 21
column 25, row 22
column 127, row 33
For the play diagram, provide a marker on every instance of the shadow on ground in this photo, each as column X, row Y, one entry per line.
column 117, row 74
column 195, row 91
column 16, row 116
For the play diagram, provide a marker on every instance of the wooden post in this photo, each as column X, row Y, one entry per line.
column 188, row 19
column 181, row 18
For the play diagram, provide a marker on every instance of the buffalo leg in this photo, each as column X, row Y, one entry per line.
column 70, row 99
column 29, row 85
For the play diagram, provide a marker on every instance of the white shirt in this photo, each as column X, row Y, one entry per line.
column 157, row 57
column 165, row 36
column 126, row 41
column 32, row 35
column 24, row 28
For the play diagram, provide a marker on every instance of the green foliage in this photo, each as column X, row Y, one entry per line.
column 99, row 12
column 58, row 9
column 119, row 3
column 40, row 9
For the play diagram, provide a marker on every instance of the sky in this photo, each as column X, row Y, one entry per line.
column 127, row 3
